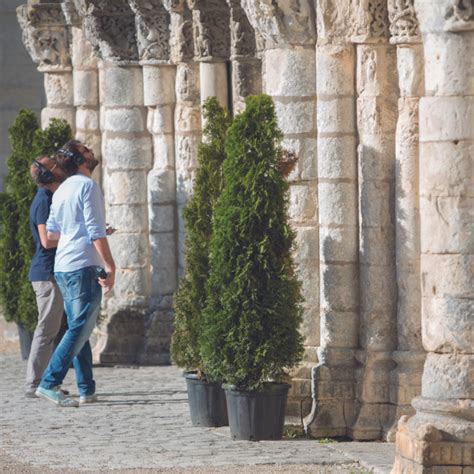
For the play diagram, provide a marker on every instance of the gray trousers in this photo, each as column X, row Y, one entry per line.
column 50, row 313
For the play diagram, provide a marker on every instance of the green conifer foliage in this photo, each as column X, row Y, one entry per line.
column 189, row 300
column 16, row 243
column 253, row 307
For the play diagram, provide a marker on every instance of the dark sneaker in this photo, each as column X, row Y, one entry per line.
column 57, row 397
column 62, row 390
column 30, row 393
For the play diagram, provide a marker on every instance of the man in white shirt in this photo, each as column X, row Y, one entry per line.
column 77, row 221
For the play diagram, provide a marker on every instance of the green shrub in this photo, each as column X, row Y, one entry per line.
column 254, row 305
column 16, row 243
column 189, row 300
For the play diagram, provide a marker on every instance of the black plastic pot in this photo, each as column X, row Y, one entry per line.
column 26, row 338
column 206, row 402
column 257, row 415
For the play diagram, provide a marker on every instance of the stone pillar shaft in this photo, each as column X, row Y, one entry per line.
column 159, row 84
column 152, row 21
column 127, row 159
column 213, row 81
column 289, row 70
column 377, row 89
column 440, row 437
column 338, row 237
column 405, row 381
column 187, row 113
column 291, row 81
column 86, row 95
column 111, row 29
column 187, row 122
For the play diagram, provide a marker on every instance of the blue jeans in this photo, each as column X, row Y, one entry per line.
column 82, row 295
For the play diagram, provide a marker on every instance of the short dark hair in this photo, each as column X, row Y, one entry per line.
column 67, row 156
column 35, row 168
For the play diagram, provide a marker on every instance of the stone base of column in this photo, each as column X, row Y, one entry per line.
column 157, row 339
column 399, row 412
column 374, row 409
column 333, row 401
column 439, row 438
column 405, row 385
column 370, row 421
column 299, row 397
column 134, row 336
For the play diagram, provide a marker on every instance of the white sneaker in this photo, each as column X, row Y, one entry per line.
column 83, row 399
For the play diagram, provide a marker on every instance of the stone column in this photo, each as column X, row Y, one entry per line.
column 211, row 31
column 153, row 35
column 377, row 89
column 290, row 78
column 45, row 35
column 246, row 75
column 440, row 437
column 127, row 160
column 187, row 115
column 85, row 85
column 333, row 394
column 406, row 376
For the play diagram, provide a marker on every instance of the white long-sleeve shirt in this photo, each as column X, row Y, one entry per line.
column 78, row 214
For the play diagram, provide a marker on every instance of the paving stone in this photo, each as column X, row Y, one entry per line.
column 141, row 422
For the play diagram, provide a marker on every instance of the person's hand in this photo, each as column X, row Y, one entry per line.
column 107, row 283
column 109, row 230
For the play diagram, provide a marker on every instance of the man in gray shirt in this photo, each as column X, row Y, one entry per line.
column 77, row 221
column 48, row 176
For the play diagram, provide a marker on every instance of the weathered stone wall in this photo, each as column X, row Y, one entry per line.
column 374, row 96
column 21, row 86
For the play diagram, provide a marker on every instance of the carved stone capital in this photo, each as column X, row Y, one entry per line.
column 70, row 13
column 282, row 22
column 110, row 28
column 242, row 35
column 370, row 21
column 45, row 35
column 153, row 30
column 211, row 29
column 333, row 21
column 181, row 30
column 460, row 16
column 404, row 26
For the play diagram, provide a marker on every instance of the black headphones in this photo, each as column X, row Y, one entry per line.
column 76, row 157
column 44, row 175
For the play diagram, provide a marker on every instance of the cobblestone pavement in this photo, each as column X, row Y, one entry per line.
column 141, row 424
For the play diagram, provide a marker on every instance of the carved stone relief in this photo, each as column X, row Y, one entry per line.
column 242, row 35
column 153, row 29
column 370, row 21
column 211, row 20
column 282, row 22
column 45, row 35
column 181, row 30
column 187, row 81
column 460, row 16
column 403, row 22
column 70, row 12
column 333, row 21
column 110, row 28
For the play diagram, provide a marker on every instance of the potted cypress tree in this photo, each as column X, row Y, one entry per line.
column 206, row 398
column 254, row 301
column 16, row 243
